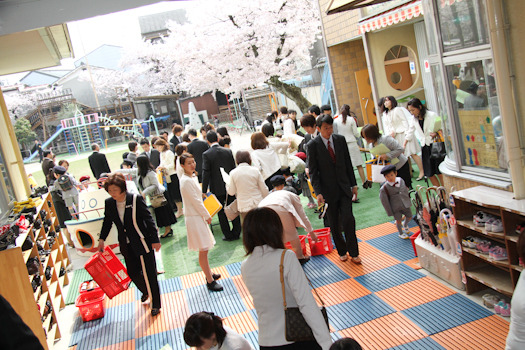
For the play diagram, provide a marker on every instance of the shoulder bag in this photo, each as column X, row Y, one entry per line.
column 296, row 327
column 231, row 209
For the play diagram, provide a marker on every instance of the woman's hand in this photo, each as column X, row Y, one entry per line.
column 433, row 134
column 156, row 246
column 208, row 220
column 383, row 157
column 314, row 237
column 393, row 134
column 100, row 245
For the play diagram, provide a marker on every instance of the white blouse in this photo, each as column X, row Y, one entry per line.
column 167, row 160
column 264, row 285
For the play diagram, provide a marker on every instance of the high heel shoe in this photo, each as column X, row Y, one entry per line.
column 169, row 234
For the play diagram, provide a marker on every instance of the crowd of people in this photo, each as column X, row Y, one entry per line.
column 289, row 156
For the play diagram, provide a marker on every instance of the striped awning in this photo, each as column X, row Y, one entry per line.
column 394, row 16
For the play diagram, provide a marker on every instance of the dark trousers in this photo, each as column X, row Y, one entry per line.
column 404, row 173
column 300, row 345
column 235, row 231
column 142, row 277
column 340, row 214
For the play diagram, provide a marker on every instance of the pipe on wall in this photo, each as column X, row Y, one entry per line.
column 507, row 104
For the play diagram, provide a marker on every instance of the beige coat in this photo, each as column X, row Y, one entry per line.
column 247, row 183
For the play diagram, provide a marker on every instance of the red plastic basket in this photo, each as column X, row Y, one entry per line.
column 107, row 270
column 91, row 305
column 89, row 287
column 324, row 245
column 413, row 240
column 302, row 238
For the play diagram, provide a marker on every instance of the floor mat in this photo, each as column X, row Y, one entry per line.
column 386, row 305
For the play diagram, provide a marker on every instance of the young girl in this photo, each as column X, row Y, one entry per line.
column 197, row 220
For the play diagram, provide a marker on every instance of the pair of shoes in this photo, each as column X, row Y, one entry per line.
column 311, row 205
column 144, row 298
column 494, row 225
column 169, row 234
column 214, row 286
column 356, row 260
column 404, row 235
column 304, row 260
column 343, row 257
column 367, row 184
column 480, row 218
column 502, row 308
column 155, row 312
column 498, row 253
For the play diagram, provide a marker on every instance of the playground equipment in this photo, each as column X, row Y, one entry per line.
column 135, row 128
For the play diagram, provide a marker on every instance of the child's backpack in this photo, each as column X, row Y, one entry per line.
column 65, row 183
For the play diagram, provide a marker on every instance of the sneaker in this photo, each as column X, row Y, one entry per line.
column 490, row 300
column 407, row 231
column 404, row 235
column 499, row 254
column 497, row 226
column 498, row 306
column 480, row 218
column 505, row 310
column 214, row 286
column 488, row 224
column 484, row 247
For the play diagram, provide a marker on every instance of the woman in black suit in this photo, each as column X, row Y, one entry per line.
column 137, row 236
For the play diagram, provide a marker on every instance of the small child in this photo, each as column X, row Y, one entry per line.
column 396, row 200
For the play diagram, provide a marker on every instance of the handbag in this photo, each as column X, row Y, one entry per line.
column 437, row 148
column 231, row 209
column 296, row 327
column 376, row 171
column 158, row 200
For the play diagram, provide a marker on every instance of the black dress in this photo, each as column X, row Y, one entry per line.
column 430, row 166
column 163, row 215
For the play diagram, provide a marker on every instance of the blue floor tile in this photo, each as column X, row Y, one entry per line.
column 425, row 343
column 401, row 249
column 252, row 338
column 201, row 292
column 321, row 271
column 453, row 311
column 388, row 277
column 173, row 337
column 170, row 285
column 234, row 269
column 357, row 311
column 223, row 307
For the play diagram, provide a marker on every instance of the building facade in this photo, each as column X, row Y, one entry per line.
column 460, row 57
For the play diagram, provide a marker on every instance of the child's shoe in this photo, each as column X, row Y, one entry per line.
column 404, row 235
column 480, row 218
column 490, row 300
column 505, row 310
column 497, row 226
column 498, row 306
column 488, row 224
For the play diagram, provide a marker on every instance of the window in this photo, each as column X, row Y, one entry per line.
column 400, row 67
column 478, row 122
column 443, row 111
column 462, row 23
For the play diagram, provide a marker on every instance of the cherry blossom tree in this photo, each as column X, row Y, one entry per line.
column 228, row 46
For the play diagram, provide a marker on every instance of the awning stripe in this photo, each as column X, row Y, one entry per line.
column 397, row 15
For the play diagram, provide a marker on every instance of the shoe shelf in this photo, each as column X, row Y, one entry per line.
column 15, row 282
column 479, row 269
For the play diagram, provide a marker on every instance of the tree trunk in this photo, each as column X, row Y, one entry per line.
column 293, row 92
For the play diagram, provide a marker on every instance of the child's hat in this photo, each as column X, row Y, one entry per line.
column 277, row 180
column 60, row 170
column 388, row 169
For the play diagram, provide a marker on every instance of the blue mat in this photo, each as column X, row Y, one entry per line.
column 389, row 277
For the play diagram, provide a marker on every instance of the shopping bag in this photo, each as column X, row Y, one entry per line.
column 373, row 170
column 231, row 210
column 437, row 148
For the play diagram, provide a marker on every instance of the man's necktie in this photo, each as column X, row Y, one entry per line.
column 331, row 151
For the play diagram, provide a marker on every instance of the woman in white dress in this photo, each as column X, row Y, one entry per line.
column 398, row 123
column 197, row 220
column 343, row 125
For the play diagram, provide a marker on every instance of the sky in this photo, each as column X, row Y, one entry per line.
column 118, row 28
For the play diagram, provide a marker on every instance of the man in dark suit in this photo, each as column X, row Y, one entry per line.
column 197, row 147
column 212, row 160
column 98, row 162
column 152, row 154
column 333, row 179
column 38, row 148
column 47, row 166
column 177, row 136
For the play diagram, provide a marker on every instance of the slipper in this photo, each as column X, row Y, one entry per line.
column 420, row 178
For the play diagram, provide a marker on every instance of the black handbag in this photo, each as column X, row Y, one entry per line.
column 437, row 148
column 296, row 327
